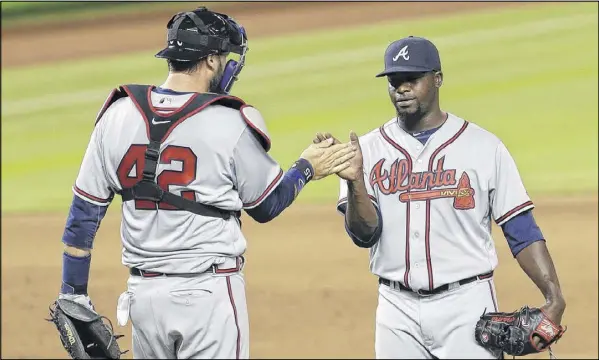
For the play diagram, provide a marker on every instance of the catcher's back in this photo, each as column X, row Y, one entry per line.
column 207, row 157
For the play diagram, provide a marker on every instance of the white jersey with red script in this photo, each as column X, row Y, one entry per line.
column 437, row 201
column 215, row 157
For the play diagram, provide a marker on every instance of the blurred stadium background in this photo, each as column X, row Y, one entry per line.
column 527, row 72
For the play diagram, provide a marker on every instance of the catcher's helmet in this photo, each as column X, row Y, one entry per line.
column 193, row 35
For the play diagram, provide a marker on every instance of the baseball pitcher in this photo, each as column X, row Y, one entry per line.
column 186, row 158
column 421, row 195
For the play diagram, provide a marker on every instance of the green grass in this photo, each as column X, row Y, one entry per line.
column 527, row 74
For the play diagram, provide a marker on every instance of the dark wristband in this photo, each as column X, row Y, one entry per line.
column 75, row 274
column 304, row 168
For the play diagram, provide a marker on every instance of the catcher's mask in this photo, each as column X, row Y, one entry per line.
column 211, row 33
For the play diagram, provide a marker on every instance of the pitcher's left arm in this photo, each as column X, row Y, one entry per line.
column 528, row 246
column 512, row 209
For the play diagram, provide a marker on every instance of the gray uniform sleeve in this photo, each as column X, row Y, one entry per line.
column 255, row 173
column 92, row 182
column 508, row 197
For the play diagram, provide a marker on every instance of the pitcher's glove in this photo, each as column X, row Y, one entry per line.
column 82, row 331
column 513, row 332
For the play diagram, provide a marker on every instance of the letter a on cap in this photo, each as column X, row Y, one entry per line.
column 403, row 53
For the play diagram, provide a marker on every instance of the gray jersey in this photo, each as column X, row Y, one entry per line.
column 214, row 157
column 437, row 201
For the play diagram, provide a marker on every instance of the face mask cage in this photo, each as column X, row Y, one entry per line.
column 238, row 38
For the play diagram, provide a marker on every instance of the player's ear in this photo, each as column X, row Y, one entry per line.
column 212, row 62
column 438, row 79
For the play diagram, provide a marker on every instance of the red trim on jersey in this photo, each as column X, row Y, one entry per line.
column 256, row 129
column 238, row 349
column 91, row 197
column 409, row 159
column 514, row 210
column 272, row 184
column 407, row 272
column 428, row 206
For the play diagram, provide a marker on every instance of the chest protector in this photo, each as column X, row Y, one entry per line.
column 159, row 126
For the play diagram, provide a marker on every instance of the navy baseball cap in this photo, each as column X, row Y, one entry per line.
column 411, row 54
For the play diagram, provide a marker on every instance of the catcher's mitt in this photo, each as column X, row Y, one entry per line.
column 513, row 332
column 82, row 332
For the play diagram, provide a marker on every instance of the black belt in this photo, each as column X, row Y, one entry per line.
column 214, row 269
column 437, row 290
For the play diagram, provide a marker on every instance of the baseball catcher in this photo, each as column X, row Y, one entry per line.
column 82, row 331
column 518, row 333
column 193, row 158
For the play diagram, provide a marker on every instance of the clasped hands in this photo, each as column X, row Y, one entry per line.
column 327, row 155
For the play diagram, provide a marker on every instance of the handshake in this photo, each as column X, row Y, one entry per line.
column 327, row 155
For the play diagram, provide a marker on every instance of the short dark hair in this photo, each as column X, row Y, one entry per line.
column 186, row 67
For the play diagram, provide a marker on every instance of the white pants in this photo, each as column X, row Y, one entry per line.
column 410, row 326
column 200, row 317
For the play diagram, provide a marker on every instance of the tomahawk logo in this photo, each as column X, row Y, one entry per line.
column 403, row 53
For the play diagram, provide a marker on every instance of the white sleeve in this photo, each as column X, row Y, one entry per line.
column 508, row 196
column 92, row 182
column 342, row 202
column 256, row 173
